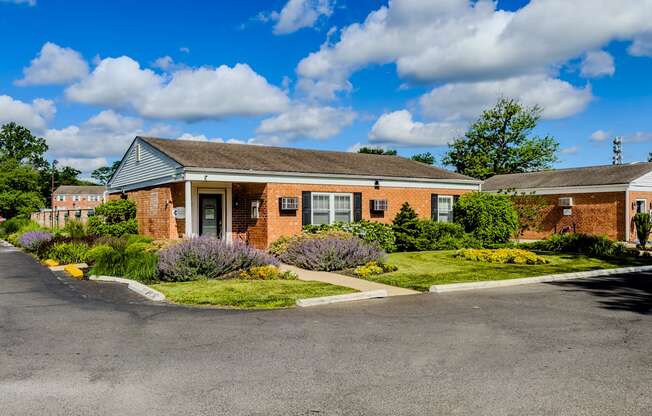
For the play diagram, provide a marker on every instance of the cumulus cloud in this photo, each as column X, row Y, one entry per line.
column 85, row 165
column 638, row 137
column 642, row 45
column 204, row 138
column 106, row 134
column 33, row 116
column 54, row 65
column 571, row 150
column 466, row 101
column 298, row 14
column 188, row 94
column 308, row 122
column 398, row 128
column 597, row 64
column 600, row 135
column 460, row 40
column 27, row 2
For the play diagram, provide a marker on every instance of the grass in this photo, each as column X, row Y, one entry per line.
column 247, row 294
column 420, row 270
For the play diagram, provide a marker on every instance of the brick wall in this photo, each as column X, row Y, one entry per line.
column 81, row 204
column 600, row 213
column 250, row 230
column 154, row 211
column 280, row 224
column 633, row 196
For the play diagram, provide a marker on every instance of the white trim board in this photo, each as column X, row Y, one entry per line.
column 572, row 189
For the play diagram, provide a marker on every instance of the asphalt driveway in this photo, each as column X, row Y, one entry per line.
column 80, row 348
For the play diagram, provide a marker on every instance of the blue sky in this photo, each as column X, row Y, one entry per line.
column 329, row 74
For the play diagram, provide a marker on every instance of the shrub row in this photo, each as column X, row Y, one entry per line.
column 369, row 231
column 502, row 255
column 590, row 245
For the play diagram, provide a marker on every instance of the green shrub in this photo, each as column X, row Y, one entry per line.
column 373, row 268
column 132, row 263
column 406, row 228
column 97, row 251
column 369, row 231
column 12, row 225
column 75, row 229
column 434, row 235
column 491, row 218
column 267, row 272
column 283, row 243
column 591, row 245
column 501, row 255
column 68, row 253
column 114, row 218
column 643, row 226
column 137, row 238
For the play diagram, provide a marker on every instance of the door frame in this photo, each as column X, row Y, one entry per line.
column 225, row 231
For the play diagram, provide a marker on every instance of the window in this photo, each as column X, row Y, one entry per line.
column 379, row 205
column 75, row 198
column 289, row 203
column 92, row 198
column 330, row 208
column 61, row 198
column 641, row 205
column 255, row 209
column 445, row 208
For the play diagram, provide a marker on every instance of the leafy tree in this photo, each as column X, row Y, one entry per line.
column 103, row 174
column 426, row 158
column 499, row 142
column 18, row 143
column 19, row 189
column 531, row 211
column 377, row 151
column 491, row 218
column 406, row 228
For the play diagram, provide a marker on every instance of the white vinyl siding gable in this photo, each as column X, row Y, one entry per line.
column 143, row 165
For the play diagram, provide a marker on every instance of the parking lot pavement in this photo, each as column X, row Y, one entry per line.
column 573, row 348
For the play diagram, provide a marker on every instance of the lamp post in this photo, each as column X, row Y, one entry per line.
column 54, row 169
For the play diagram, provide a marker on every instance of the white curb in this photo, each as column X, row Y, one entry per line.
column 455, row 287
column 137, row 287
column 60, row 268
column 325, row 300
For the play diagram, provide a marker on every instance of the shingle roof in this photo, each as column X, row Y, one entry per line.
column 586, row 176
column 284, row 159
column 80, row 190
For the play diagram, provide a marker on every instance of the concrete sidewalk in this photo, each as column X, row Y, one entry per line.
column 347, row 281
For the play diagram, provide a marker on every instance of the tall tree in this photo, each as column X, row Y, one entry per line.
column 18, row 143
column 103, row 174
column 20, row 188
column 500, row 142
column 377, row 151
column 426, row 158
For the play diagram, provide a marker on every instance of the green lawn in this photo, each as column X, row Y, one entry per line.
column 248, row 294
column 420, row 270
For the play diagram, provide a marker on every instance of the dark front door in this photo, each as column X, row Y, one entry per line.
column 210, row 215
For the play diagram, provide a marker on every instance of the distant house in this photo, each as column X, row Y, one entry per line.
column 69, row 197
column 258, row 193
column 600, row 200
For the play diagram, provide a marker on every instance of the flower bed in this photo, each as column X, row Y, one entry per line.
column 32, row 240
column 331, row 253
column 502, row 255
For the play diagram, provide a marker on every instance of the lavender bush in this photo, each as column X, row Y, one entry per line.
column 32, row 240
column 208, row 258
column 328, row 254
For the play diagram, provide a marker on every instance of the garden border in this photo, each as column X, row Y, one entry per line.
column 489, row 284
column 348, row 297
column 133, row 285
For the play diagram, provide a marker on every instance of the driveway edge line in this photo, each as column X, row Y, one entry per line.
column 489, row 284
column 133, row 285
column 349, row 297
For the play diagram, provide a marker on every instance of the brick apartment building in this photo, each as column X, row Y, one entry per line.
column 600, row 200
column 257, row 193
column 69, row 197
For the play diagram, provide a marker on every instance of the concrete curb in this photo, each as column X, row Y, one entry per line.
column 455, row 287
column 349, row 297
column 137, row 287
column 60, row 267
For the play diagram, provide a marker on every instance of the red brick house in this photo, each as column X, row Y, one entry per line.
column 69, row 197
column 259, row 193
column 600, row 200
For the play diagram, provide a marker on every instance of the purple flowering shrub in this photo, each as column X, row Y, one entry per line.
column 332, row 253
column 32, row 240
column 208, row 258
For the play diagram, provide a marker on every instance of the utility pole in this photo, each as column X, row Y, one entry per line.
column 54, row 169
column 617, row 151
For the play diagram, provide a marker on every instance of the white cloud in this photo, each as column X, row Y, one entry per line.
column 600, row 135
column 638, row 137
column 297, row 14
column 85, row 165
column 596, row 64
column 466, row 101
column 460, row 40
column 642, row 45
column 28, row 2
column 189, row 94
column 308, row 122
column 398, row 128
column 33, row 116
column 204, row 138
column 571, row 150
column 184, row 49
column 106, row 134
column 54, row 65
